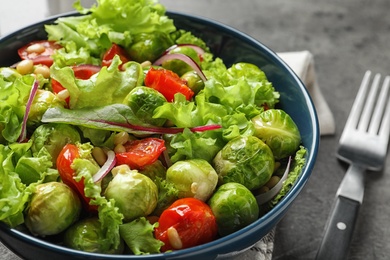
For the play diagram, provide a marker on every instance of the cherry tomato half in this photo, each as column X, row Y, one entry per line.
column 140, row 153
column 68, row 154
column 85, row 71
column 186, row 223
column 110, row 54
column 167, row 83
column 39, row 52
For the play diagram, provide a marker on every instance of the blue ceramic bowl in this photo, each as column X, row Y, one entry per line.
column 232, row 46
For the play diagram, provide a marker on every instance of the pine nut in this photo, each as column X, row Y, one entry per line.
column 99, row 155
column 119, row 148
column 194, row 187
column 63, row 94
column 272, row 182
column 25, row 67
column 174, row 238
column 121, row 138
column 146, row 64
column 276, row 166
column 263, row 189
column 43, row 70
column 35, row 48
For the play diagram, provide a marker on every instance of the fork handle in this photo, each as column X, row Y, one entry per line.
column 339, row 230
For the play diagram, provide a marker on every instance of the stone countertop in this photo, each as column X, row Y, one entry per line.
column 346, row 38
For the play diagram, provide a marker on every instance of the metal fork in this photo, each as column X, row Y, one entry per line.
column 363, row 144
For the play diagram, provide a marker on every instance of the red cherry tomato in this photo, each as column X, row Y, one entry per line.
column 57, row 87
column 39, row 52
column 167, row 83
column 110, row 54
column 140, row 153
column 68, row 154
column 186, row 223
column 85, row 71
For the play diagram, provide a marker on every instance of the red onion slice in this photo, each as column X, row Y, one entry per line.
column 267, row 196
column 107, row 166
column 196, row 48
column 33, row 92
column 182, row 57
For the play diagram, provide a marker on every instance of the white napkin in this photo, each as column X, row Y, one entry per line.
column 302, row 63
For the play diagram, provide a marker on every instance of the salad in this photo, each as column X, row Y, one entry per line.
column 122, row 134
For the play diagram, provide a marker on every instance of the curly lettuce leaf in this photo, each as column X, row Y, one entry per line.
column 189, row 145
column 13, row 99
column 36, row 168
column 296, row 168
column 184, row 113
column 70, row 55
column 110, row 21
column 138, row 235
column 109, row 86
column 167, row 194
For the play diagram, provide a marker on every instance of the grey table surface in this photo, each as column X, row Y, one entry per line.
column 346, row 38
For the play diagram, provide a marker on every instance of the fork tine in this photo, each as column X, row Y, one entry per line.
column 380, row 117
column 369, row 104
column 357, row 106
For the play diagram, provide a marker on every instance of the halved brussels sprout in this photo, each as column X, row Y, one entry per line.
column 178, row 66
column 246, row 160
column 135, row 194
column 43, row 100
column 277, row 129
column 234, row 207
column 52, row 209
column 149, row 46
column 143, row 101
column 194, row 82
column 87, row 235
column 193, row 178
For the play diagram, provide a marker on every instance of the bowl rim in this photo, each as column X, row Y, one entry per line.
column 226, row 240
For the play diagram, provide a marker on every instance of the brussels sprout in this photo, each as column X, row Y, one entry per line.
column 43, row 100
column 53, row 137
column 154, row 170
column 52, row 209
column 178, row 66
column 134, row 193
column 149, row 46
column 193, row 178
column 193, row 80
column 246, row 160
column 277, row 129
column 234, row 207
column 87, row 235
column 143, row 101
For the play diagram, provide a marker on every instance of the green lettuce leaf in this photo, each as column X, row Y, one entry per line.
column 138, row 235
column 184, row 113
column 110, row 21
column 189, row 145
column 109, row 86
column 296, row 168
column 115, row 117
column 13, row 99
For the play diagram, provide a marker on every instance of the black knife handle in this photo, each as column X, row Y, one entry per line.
column 339, row 230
